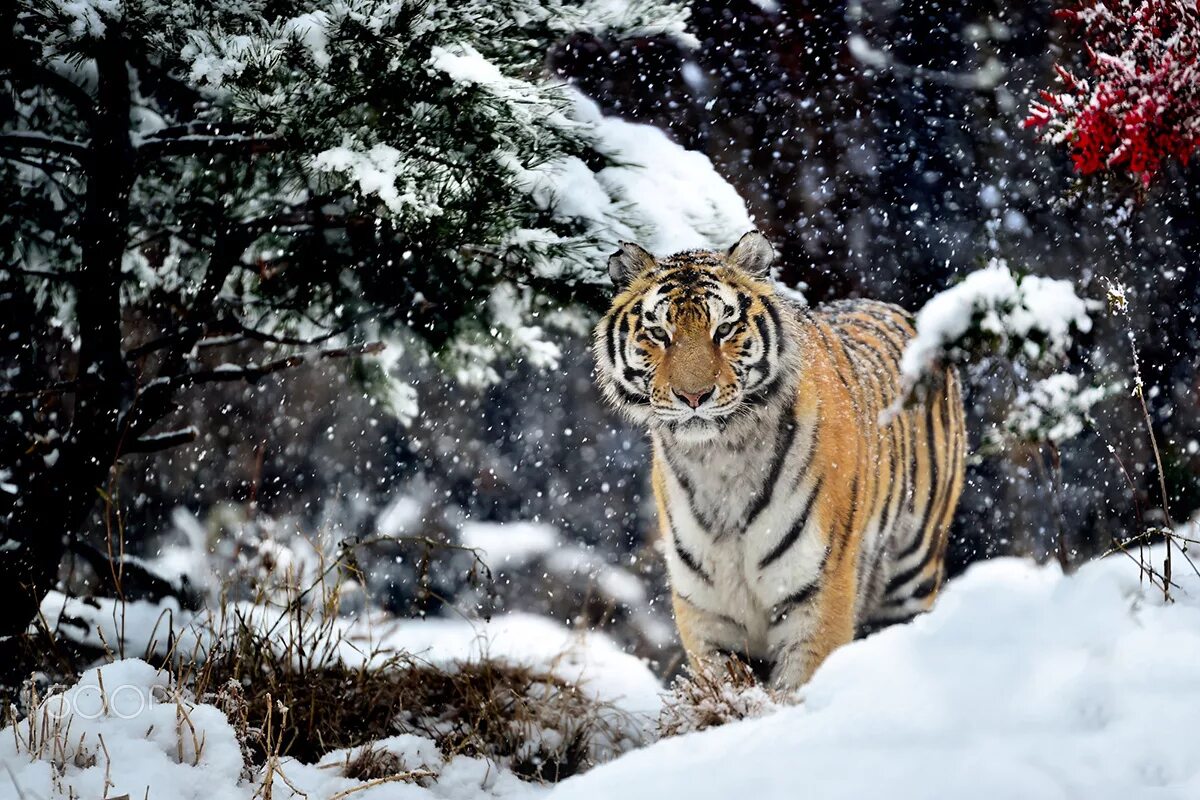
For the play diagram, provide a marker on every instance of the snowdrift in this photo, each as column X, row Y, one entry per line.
column 1022, row 683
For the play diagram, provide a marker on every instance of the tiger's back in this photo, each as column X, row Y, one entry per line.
column 912, row 461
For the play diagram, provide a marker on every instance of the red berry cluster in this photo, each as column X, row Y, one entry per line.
column 1139, row 105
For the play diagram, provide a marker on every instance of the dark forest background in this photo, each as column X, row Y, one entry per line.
column 880, row 147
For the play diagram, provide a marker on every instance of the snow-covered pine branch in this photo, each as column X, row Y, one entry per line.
column 361, row 160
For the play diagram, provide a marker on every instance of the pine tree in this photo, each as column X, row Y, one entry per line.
column 186, row 183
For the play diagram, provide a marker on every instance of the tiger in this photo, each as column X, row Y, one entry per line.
column 801, row 502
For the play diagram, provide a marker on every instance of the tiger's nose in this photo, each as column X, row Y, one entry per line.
column 694, row 399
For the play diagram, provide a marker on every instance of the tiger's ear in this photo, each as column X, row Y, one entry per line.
column 627, row 263
column 752, row 254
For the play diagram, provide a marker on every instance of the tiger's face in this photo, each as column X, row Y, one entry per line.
column 693, row 341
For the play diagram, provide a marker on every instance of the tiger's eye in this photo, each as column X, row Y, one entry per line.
column 724, row 329
column 659, row 335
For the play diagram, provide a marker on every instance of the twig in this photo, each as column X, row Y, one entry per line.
column 252, row 373
column 40, row 141
column 59, row 387
column 401, row 776
column 161, row 441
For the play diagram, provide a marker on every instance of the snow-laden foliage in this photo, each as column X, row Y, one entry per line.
column 995, row 311
column 1053, row 409
column 1137, row 104
column 204, row 193
column 352, row 166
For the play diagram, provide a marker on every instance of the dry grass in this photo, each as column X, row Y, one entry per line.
column 715, row 694
column 371, row 763
column 526, row 719
column 280, row 669
column 288, row 690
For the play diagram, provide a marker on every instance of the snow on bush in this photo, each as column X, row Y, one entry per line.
column 995, row 311
column 1138, row 104
column 1053, row 409
column 1021, row 683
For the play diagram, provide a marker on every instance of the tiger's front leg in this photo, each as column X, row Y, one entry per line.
column 810, row 624
column 709, row 638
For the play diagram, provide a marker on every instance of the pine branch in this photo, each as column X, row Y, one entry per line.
column 206, row 137
column 17, row 142
column 252, row 373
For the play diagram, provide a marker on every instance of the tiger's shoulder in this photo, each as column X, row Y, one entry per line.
column 863, row 342
column 861, row 312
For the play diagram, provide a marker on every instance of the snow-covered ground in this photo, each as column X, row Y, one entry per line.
column 1022, row 683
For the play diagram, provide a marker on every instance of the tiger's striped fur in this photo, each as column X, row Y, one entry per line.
column 795, row 513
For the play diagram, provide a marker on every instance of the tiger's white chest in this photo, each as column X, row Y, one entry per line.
column 731, row 508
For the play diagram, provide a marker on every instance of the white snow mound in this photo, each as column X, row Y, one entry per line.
column 1022, row 683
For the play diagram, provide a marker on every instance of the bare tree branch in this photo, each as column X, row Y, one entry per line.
column 252, row 373
column 30, row 140
column 161, row 441
column 49, row 275
column 205, row 137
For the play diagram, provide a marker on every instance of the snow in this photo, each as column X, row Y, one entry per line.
column 399, row 396
column 377, row 170
column 465, row 64
column 588, row 659
column 1022, row 683
column 1053, row 409
column 312, row 30
column 591, row 660
column 633, row 20
column 655, row 192
column 998, row 303
column 510, row 308
column 211, row 65
column 399, row 516
column 151, row 729
column 123, row 730
column 528, row 102
column 509, row 544
column 88, row 18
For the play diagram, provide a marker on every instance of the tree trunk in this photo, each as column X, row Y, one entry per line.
column 57, row 499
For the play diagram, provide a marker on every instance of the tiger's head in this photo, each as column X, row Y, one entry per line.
column 695, row 341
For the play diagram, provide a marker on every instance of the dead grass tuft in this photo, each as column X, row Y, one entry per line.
column 527, row 720
column 371, row 763
column 715, row 694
